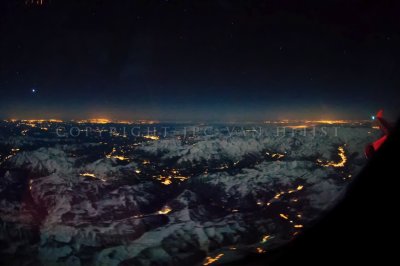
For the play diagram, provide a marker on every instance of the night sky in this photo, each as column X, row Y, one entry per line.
column 199, row 60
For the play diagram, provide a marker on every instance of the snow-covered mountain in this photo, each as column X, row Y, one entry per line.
column 172, row 201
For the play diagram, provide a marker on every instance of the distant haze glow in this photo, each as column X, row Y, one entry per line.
column 186, row 114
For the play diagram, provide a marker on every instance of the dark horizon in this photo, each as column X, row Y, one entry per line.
column 199, row 60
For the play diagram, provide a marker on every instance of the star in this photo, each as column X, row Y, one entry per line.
column 33, row 90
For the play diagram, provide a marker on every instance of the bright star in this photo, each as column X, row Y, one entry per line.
column 373, row 117
column 33, row 90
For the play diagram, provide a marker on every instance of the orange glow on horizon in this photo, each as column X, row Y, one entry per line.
column 298, row 126
column 96, row 121
column 305, row 123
